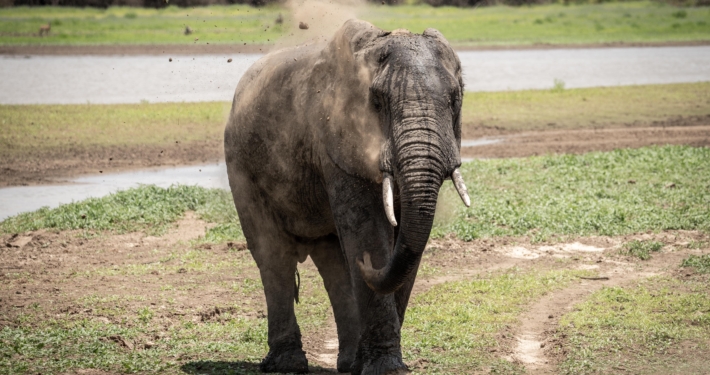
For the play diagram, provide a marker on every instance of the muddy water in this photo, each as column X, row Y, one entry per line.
column 131, row 79
column 14, row 200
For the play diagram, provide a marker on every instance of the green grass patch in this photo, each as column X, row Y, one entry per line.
column 633, row 22
column 560, row 108
column 701, row 263
column 24, row 127
column 641, row 249
column 454, row 325
column 582, row 195
column 147, row 208
column 639, row 329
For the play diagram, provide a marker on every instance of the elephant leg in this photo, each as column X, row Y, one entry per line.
column 275, row 255
column 334, row 270
column 278, row 269
column 362, row 226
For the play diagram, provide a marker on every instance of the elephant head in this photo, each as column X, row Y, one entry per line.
column 410, row 92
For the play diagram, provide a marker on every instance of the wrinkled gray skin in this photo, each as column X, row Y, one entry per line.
column 312, row 130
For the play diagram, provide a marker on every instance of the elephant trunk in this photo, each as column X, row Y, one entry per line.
column 420, row 174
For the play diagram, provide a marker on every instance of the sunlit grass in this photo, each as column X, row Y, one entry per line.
column 599, row 193
column 639, row 329
column 639, row 21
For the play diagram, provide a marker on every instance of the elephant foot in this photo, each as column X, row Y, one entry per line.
column 285, row 360
column 385, row 365
column 345, row 361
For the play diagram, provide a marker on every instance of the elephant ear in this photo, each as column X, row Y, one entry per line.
column 353, row 136
column 356, row 34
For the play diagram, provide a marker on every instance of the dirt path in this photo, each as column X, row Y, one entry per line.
column 533, row 344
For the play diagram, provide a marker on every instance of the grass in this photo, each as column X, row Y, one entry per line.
column 147, row 208
column 97, row 125
column 633, row 22
column 701, row 263
column 91, row 126
column 640, row 329
column 641, row 249
column 560, row 108
column 454, row 325
column 578, row 195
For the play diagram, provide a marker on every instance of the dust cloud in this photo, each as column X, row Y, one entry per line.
column 323, row 17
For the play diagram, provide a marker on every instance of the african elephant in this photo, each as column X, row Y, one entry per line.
column 329, row 146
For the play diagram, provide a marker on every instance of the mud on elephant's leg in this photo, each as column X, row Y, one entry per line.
column 333, row 268
column 285, row 348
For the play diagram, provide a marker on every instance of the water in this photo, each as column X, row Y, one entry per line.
column 14, row 200
column 132, row 79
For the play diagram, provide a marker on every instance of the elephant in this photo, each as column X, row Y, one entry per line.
column 338, row 151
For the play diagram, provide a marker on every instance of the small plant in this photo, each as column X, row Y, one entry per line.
column 558, row 85
column 680, row 14
column 131, row 15
column 145, row 315
column 641, row 249
column 701, row 263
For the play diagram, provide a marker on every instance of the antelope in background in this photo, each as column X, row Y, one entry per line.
column 44, row 29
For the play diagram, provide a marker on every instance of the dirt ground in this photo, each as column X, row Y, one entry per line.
column 60, row 271
column 53, row 166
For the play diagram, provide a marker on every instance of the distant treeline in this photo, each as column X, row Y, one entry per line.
column 190, row 3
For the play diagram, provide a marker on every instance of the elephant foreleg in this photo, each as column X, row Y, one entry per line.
column 333, row 268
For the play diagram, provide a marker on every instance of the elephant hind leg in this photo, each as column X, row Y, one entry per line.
column 285, row 349
column 333, row 268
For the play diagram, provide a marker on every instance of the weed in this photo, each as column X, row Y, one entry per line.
column 558, row 86
column 701, row 263
column 680, row 14
column 641, row 249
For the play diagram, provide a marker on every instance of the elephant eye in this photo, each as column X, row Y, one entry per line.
column 376, row 99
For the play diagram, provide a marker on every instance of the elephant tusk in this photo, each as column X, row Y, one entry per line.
column 461, row 187
column 388, row 199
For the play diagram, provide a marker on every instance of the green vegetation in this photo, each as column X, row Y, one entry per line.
column 701, row 263
column 605, row 193
column 660, row 326
column 598, row 107
column 634, row 22
column 454, row 325
column 24, row 127
column 148, row 208
column 641, row 249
